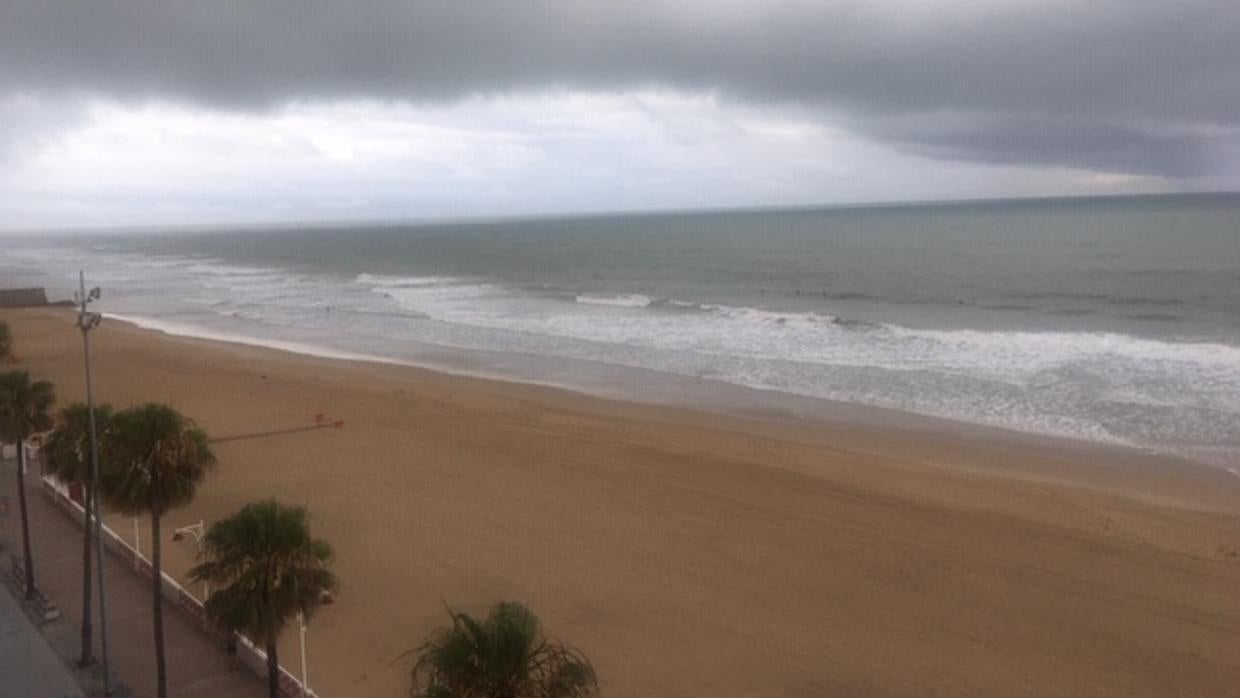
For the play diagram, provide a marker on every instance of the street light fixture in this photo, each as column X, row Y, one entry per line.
column 198, row 531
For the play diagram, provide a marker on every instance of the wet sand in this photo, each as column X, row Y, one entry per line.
column 694, row 553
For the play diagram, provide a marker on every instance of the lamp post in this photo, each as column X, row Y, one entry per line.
column 305, row 677
column 325, row 600
column 87, row 321
column 197, row 530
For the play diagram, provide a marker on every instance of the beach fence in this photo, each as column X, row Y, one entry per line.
column 249, row 654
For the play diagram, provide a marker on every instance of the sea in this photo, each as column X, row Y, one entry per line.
column 1113, row 320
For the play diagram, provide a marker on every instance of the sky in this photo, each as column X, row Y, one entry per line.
column 165, row 112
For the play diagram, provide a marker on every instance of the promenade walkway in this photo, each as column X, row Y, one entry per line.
column 30, row 668
column 198, row 666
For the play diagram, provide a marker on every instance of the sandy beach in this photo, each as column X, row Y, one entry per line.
column 691, row 553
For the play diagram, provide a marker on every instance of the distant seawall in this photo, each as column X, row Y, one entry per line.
column 22, row 297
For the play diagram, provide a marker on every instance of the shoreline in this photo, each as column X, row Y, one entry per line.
column 615, row 382
column 690, row 552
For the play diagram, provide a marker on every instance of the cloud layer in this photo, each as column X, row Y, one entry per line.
column 1121, row 86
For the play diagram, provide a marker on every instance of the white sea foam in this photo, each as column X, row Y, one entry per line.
column 222, row 269
column 387, row 281
column 1101, row 386
column 181, row 329
column 1078, row 384
column 807, row 337
column 618, row 300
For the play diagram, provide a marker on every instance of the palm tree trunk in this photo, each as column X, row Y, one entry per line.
column 86, row 658
column 161, row 669
column 21, row 499
column 273, row 668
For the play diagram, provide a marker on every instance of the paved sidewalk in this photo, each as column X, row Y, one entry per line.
column 30, row 666
column 198, row 666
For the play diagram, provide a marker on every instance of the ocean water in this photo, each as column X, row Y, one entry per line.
column 1114, row 320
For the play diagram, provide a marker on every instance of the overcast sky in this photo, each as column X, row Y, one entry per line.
column 168, row 111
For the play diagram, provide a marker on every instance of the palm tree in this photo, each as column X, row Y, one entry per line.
column 67, row 456
column 504, row 656
column 267, row 569
column 23, row 413
column 156, row 458
column 6, row 343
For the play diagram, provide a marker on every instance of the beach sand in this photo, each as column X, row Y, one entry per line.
column 698, row 554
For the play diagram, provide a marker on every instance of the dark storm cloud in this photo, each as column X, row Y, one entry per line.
column 1116, row 85
column 1027, row 139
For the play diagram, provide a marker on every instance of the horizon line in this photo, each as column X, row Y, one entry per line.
column 172, row 228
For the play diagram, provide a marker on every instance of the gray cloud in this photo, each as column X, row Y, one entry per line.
column 1040, row 140
column 1132, row 86
column 26, row 124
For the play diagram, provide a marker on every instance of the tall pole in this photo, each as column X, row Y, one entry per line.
column 88, row 321
column 305, row 681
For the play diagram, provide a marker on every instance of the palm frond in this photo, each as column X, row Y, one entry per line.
column 504, row 655
column 268, row 567
column 66, row 452
column 24, row 406
column 155, row 459
column 6, row 343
